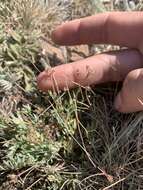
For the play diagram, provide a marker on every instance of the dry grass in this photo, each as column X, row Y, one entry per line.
column 74, row 140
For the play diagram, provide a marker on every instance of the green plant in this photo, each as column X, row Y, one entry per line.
column 71, row 140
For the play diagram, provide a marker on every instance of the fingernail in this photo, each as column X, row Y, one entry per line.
column 118, row 102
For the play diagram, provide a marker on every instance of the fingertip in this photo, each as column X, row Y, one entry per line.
column 56, row 36
column 118, row 104
column 67, row 33
column 43, row 82
column 39, row 81
column 55, row 79
column 59, row 35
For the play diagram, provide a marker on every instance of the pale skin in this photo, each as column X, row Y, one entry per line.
column 117, row 28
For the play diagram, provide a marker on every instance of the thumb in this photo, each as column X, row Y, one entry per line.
column 130, row 98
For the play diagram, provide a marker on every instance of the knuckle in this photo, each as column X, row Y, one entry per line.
column 82, row 76
column 105, row 33
column 141, row 48
column 79, row 30
column 79, row 76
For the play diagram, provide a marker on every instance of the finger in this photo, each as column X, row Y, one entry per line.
column 130, row 99
column 118, row 28
column 101, row 68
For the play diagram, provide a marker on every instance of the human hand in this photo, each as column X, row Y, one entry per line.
column 116, row 28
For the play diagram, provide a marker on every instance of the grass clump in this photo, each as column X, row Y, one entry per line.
column 73, row 140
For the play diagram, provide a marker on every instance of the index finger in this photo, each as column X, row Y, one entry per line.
column 115, row 28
